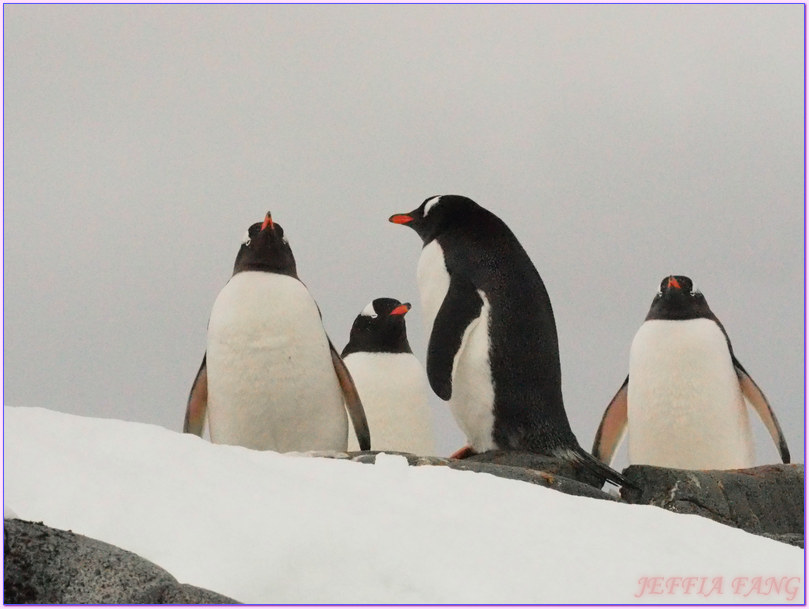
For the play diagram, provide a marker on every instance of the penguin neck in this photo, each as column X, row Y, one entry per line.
column 265, row 268
column 391, row 343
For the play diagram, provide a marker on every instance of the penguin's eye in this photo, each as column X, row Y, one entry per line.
column 246, row 238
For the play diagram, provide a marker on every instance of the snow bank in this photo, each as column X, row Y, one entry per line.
column 268, row 528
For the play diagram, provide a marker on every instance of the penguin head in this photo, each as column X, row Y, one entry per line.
column 678, row 299
column 265, row 248
column 435, row 214
column 380, row 328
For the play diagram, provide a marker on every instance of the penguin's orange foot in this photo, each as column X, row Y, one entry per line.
column 463, row 453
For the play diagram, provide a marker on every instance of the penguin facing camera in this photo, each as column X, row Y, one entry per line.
column 390, row 380
column 271, row 378
column 683, row 401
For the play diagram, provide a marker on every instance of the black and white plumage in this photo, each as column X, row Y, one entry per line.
column 683, row 401
column 493, row 351
column 390, row 380
column 271, row 378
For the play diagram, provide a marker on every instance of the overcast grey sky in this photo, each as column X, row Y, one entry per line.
column 620, row 143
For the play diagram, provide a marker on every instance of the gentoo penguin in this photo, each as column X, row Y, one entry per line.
column 683, row 401
column 271, row 378
column 389, row 379
column 493, row 351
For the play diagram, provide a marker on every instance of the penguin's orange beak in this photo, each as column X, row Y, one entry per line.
column 673, row 283
column 268, row 222
column 400, row 219
column 401, row 309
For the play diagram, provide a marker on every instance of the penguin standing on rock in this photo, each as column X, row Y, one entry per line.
column 683, row 400
column 271, row 378
column 389, row 379
column 493, row 350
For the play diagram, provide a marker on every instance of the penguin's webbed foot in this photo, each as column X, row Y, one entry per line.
column 463, row 453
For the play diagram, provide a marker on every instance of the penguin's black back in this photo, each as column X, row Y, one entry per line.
column 529, row 411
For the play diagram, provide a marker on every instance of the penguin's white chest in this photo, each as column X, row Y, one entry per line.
column 685, row 407
column 393, row 390
column 433, row 280
column 271, row 383
column 472, row 400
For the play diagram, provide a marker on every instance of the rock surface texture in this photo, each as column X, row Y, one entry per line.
column 46, row 566
column 765, row 500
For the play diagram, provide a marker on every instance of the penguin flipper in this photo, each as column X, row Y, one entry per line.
column 461, row 306
column 612, row 429
column 758, row 400
column 197, row 402
column 352, row 400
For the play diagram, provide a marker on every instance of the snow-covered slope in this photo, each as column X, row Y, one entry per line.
column 268, row 528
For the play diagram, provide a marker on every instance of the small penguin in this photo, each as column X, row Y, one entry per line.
column 493, row 351
column 683, row 401
column 390, row 380
column 271, row 378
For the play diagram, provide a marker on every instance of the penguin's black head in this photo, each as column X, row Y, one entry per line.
column 677, row 299
column 380, row 328
column 435, row 214
column 265, row 249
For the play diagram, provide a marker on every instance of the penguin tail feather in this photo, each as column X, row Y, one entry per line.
column 584, row 459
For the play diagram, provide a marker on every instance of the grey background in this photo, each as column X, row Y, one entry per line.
column 620, row 143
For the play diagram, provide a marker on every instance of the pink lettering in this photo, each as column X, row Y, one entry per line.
column 650, row 585
column 737, row 584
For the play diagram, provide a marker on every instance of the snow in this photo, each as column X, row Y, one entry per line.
column 262, row 527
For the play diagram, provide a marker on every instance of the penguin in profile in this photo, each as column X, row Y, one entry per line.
column 683, row 401
column 271, row 378
column 390, row 380
column 493, row 350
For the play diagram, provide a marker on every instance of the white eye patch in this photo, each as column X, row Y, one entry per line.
column 430, row 204
column 369, row 311
column 246, row 238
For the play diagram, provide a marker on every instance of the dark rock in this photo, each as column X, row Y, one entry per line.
column 50, row 566
column 563, row 484
column 543, row 463
column 766, row 500
column 526, row 467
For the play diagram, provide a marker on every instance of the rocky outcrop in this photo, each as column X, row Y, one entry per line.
column 766, row 500
column 50, row 566
column 527, row 467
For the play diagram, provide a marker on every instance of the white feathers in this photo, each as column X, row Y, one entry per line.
column 472, row 401
column 430, row 204
column 370, row 311
column 685, row 406
column 393, row 390
column 271, row 383
column 433, row 280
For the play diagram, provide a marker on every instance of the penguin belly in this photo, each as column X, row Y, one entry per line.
column 472, row 399
column 685, row 407
column 271, row 382
column 393, row 390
